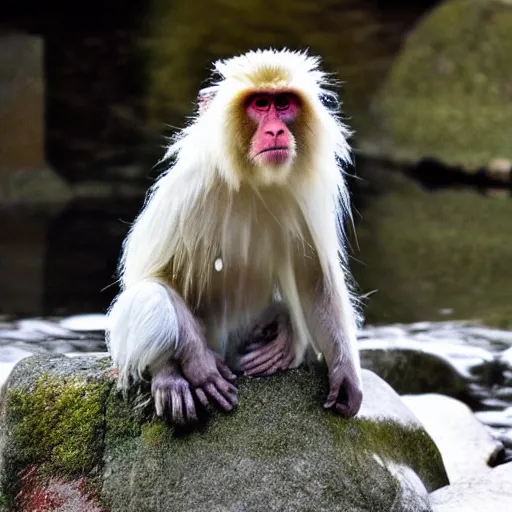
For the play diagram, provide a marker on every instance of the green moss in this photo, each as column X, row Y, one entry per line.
column 423, row 252
column 123, row 418
column 448, row 95
column 392, row 442
column 155, row 433
column 59, row 422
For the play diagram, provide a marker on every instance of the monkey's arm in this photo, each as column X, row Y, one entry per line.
column 149, row 327
column 332, row 324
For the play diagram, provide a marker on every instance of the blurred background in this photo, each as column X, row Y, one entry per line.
column 89, row 93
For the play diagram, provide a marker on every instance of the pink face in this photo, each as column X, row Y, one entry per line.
column 272, row 142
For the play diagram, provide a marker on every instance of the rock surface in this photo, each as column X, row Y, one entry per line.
column 66, row 431
column 467, row 447
column 492, row 492
column 451, row 82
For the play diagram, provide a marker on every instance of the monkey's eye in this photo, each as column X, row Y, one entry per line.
column 282, row 102
column 261, row 102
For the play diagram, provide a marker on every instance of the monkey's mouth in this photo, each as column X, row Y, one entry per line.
column 275, row 148
column 275, row 155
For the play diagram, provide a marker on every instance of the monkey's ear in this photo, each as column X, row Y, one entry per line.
column 204, row 99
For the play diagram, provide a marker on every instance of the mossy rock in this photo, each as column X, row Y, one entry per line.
column 66, row 431
column 449, row 95
column 52, row 422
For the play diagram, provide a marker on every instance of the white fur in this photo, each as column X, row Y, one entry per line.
column 204, row 208
column 143, row 328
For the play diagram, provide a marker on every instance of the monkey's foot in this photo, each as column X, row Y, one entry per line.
column 345, row 393
column 172, row 396
column 272, row 357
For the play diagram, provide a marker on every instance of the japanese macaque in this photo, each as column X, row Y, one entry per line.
column 237, row 260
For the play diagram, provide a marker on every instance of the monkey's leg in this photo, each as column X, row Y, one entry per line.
column 270, row 348
column 332, row 325
column 150, row 324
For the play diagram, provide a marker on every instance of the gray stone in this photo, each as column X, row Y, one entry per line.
column 410, row 367
column 85, row 323
column 467, row 447
column 278, row 451
column 491, row 492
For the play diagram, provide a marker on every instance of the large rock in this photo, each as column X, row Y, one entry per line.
column 69, row 440
column 467, row 447
column 492, row 491
column 448, row 93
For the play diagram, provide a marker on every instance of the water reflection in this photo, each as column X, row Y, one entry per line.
column 61, row 260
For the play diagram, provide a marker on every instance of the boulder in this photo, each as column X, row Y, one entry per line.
column 447, row 95
column 467, row 447
column 492, row 491
column 69, row 440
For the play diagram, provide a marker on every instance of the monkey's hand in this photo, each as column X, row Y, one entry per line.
column 172, row 395
column 210, row 378
column 271, row 349
column 345, row 393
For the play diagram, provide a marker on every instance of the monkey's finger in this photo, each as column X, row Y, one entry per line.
column 159, row 402
column 260, row 356
column 214, row 393
column 254, row 346
column 190, row 406
column 229, row 391
column 288, row 360
column 225, row 371
column 273, row 369
column 333, row 392
column 177, row 407
column 264, row 366
column 201, row 396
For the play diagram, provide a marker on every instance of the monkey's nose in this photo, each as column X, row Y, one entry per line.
column 274, row 133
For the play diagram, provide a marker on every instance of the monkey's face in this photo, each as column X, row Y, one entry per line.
column 272, row 146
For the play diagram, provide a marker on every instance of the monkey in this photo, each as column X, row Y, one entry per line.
column 237, row 261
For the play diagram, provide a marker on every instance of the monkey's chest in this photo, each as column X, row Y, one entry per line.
column 239, row 286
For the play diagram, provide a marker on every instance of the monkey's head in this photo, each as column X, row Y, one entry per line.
column 264, row 123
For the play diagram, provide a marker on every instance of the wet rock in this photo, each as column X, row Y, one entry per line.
column 278, row 451
column 492, row 492
column 85, row 323
column 467, row 447
column 496, row 418
column 415, row 367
